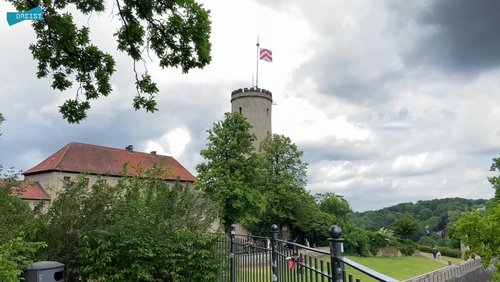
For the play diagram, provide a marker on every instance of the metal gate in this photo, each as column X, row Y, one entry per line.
column 247, row 258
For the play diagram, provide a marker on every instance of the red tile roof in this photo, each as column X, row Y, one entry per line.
column 29, row 190
column 94, row 159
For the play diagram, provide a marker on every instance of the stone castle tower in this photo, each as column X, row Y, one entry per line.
column 256, row 105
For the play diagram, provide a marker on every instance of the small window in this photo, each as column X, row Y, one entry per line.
column 86, row 182
column 267, row 112
column 241, row 110
column 66, row 181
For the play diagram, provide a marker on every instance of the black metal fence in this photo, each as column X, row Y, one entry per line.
column 246, row 258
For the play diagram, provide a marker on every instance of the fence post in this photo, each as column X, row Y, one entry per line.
column 336, row 253
column 274, row 253
column 232, row 259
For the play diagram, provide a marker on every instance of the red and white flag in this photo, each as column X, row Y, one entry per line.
column 266, row 55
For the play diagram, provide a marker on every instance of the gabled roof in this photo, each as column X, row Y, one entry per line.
column 100, row 160
column 30, row 190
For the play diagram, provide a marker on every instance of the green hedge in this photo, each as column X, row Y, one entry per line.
column 449, row 252
column 424, row 248
column 407, row 247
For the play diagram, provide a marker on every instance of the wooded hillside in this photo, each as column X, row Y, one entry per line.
column 435, row 215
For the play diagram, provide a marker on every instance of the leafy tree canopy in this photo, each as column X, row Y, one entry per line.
column 495, row 180
column 16, row 217
column 17, row 225
column 15, row 255
column 228, row 175
column 480, row 228
column 176, row 31
column 406, row 225
column 335, row 205
column 283, row 176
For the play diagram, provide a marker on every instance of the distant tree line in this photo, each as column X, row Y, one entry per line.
column 433, row 215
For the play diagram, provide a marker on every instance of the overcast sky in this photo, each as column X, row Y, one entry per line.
column 391, row 101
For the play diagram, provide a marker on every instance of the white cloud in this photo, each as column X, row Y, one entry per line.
column 172, row 143
column 423, row 162
column 302, row 121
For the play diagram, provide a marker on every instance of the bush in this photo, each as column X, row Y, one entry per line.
column 407, row 247
column 427, row 241
column 15, row 255
column 142, row 229
column 357, row 241
column 449, row 252
column 424, row 248
column 377, row 241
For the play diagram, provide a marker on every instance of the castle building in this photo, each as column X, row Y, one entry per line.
column 44, row 181
column 256, row 105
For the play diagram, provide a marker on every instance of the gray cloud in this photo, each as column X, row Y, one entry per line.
column 463, row 36
column 335, row 149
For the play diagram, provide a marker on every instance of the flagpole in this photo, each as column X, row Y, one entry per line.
column 257, row 72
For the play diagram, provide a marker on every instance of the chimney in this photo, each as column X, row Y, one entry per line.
column 130, row 148
column 153, row 153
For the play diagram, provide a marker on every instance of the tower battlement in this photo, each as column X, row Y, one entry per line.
column 251, row 92
column 256, row 105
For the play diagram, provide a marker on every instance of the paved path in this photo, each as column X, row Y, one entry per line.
column 429, row 255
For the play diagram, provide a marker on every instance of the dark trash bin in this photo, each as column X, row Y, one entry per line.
column 44, row 271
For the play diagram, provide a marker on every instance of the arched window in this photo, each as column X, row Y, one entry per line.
column 240, row 110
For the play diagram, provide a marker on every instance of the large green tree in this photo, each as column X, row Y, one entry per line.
column 406, row 225
column 176, row 31
column 480, row 228
column 336, row 206
column 228, row 175
column 283, row 175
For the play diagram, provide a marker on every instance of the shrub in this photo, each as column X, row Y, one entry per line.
column 427, row 241
column 142, row 229
column 377, row 241
column 15, row 255
column 424, row 248
column 357, row 241
column 449, row 252
column 407, row 247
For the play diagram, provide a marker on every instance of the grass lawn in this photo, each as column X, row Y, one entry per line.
column 399, row 268
column 446, row 259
